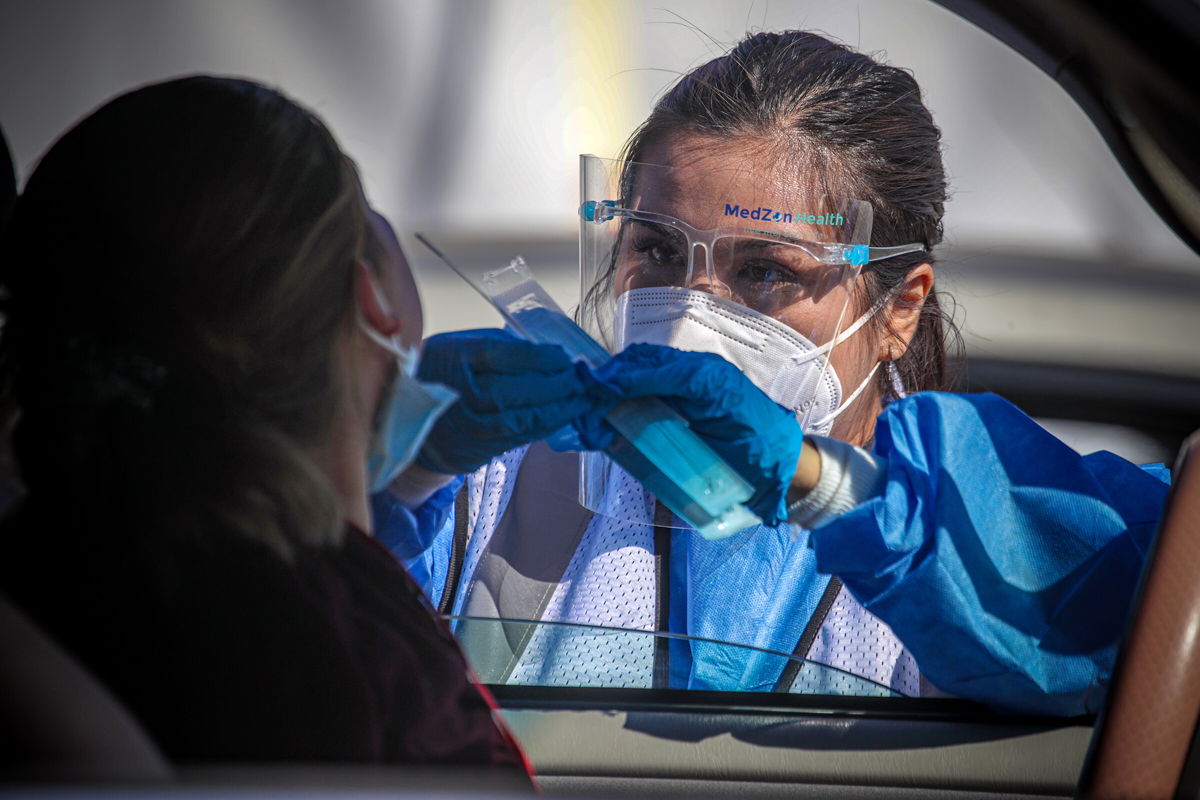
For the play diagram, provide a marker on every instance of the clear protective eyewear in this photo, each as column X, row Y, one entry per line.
column 730, row 250
column 761, row 269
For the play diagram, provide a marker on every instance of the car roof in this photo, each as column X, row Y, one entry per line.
column 1131, row 68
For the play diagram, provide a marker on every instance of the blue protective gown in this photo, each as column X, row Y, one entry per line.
column 1003, row 560
column 410, row 533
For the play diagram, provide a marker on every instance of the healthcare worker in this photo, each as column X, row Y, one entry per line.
column 778, row 213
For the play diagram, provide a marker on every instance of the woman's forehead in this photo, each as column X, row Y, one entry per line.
column 711, row 184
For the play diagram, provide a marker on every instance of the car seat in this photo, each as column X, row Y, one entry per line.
column 57, row 722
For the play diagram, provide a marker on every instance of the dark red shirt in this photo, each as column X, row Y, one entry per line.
column 227, row 652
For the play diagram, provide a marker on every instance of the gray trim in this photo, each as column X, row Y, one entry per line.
column 615, row 786
column 832, row 749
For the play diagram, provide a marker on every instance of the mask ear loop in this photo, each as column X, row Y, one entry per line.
column 849, row 331
column 832, row 415
column 846, row 334
column 407, row 357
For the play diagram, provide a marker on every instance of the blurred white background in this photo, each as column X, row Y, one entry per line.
column 467, row 117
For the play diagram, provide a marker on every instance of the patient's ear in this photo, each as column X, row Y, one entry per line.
column 904, row 312
column 375, row 310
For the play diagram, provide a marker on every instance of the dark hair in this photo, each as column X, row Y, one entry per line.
column 178, row 270
column 858, row 125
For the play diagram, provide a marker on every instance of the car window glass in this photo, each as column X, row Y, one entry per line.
column 592, row 656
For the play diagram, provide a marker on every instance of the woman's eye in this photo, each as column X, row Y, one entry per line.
column 760, row 271
column 658, row 250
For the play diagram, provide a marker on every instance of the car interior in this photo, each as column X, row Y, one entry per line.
column 1128, row 67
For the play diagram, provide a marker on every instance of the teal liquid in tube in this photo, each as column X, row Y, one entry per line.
column 655, row 444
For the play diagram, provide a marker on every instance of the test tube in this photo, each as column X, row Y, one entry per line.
column 655, row 444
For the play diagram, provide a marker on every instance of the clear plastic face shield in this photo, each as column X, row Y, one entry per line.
column 717, row 259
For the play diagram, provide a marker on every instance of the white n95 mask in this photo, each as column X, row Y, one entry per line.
column 789, row 368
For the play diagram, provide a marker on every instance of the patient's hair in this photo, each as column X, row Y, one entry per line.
column 852, row 123
column 178, row 271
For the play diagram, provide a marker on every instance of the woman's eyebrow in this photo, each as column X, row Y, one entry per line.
column 783, row 239
column 758, row 244
column 666, row 231
column 776, row 240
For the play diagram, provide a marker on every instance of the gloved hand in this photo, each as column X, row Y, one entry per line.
column 512, row 392
column 756, row 436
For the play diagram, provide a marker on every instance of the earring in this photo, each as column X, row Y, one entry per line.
column 894, row 376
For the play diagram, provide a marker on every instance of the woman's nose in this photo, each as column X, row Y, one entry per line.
column 702, row 277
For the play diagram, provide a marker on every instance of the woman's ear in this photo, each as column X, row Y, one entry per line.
column 372, row 305
column 904, row 313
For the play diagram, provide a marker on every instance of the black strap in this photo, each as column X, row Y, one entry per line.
column 458, row 551
column 792, row 670
column 662, row 599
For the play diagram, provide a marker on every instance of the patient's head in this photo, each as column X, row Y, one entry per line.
column 180, row 274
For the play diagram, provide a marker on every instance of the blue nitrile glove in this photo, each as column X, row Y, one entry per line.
column 758, row 437
column 512, row 392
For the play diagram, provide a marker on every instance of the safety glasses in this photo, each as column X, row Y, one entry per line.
column 763, row 269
